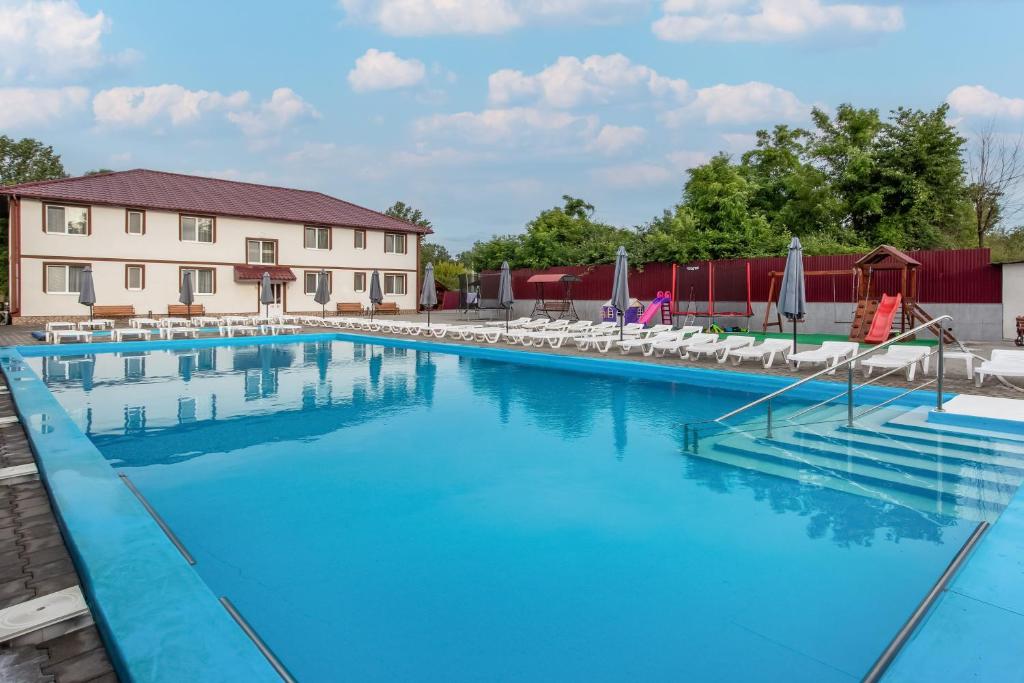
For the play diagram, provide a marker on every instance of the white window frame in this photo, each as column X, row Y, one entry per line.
column 318, row 229
column 391, row 278
column 128, row 278
column 196, row 219
column 142, row 222
column 358, row 287
column 195, row 280
column 391, row 241
column 361, row 235
column 64, row 208
column 262, row 243
column 67, row 279
column 316, row 279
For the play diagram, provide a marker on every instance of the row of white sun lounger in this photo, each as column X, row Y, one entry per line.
column 141, row 329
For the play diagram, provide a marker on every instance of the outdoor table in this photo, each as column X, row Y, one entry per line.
column 143, row 322
column 97, row 324
column 60, row 325
column 171, row 322
column 966, row 356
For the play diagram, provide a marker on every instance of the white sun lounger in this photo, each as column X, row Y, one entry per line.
column 899, row 356
column 143, row 322
column 518, row 335
column 528, row 336
column 830, row 353
column 1003, row 363
column 603, row 342
column 123, row 334
column 206, row 321
column 558, row 337
column 238, row 330
column 231, row 320
column 646, row 344
column 62, row 336
column 179, row 332
column 679, row 345
column 518, row 322
column 764, row 352
column 719, row 349
column 277, row 328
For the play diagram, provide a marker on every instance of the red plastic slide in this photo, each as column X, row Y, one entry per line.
column 881, row 324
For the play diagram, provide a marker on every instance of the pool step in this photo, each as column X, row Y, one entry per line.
column 916, row 421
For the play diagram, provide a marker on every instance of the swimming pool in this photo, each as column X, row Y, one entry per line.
column 396, row 512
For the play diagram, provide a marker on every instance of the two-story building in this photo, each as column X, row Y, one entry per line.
column 141, row 230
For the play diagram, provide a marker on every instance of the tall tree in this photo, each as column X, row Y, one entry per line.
column 407, row 213
column 995, row 172
column 27, row 160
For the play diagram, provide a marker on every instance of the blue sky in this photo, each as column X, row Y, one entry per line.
column 482, row 112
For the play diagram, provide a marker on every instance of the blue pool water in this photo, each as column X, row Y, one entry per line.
column 381, row 513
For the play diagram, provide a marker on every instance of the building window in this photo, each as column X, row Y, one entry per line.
column 263, row 252
column 317, row 238
column 135, row 222
column 359, row 282
column 394, row 283
column 360, row 239
column 134, row 277
column 64, row 279
column 394, row 243
column 67, row 220
column 197, row 229
column 310, row 280
column 203, row 281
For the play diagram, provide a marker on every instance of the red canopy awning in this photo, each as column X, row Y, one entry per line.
column 553, row 277
column 255, row 273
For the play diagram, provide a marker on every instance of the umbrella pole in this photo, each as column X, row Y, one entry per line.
column 428, row 317
column 506, row 319
column 794, row 335
column 90, row 312
column 622, row 322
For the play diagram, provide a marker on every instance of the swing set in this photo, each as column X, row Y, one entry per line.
column 698, row 286
column 775, row 281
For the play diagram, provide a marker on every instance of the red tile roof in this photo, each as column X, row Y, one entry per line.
column 147, row 189
column 277, row 273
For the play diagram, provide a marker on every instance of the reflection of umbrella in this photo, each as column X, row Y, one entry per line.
column 266, row 294
column 428, row 295
column 186, row 295
column 792, row 292
column 620, row 286
column 323, row 294
column 87, row 291
column 376, row 295
column 505, row 299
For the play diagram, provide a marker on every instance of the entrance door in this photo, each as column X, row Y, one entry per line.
column 276, row 308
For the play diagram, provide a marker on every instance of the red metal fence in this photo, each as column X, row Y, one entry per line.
column 961, row 276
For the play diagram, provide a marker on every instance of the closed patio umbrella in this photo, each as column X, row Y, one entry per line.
column 793, row 292
column 266, row 294
column 186, row 295
column 428, row 295
column 620, row 286
column 376, row 295
column 505, row 299
column 87, row 290
column 323, row 293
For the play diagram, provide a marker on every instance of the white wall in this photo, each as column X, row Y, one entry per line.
column 1013, row 297
column 108, row 248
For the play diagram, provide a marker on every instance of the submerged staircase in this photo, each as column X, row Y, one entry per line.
column 893, row 454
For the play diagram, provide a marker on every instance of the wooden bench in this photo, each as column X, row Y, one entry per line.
column 113, row 311
column 387, row 308
column 350, row 308
column 181, row 309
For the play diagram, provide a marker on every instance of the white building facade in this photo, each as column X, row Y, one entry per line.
column 139, row 248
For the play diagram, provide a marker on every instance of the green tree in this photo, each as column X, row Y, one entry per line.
column 28, row 160
column 98, row 171
column 433, row 253
column 403, row 211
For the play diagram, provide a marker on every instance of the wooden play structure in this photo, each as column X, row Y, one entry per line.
column 888, row 271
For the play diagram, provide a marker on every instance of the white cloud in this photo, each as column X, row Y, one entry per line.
column 634, row 175
column 739, row 142
column 570, row 82
column 283, row 107
column 615, row 139
column 744, row 103
column 684, row 159
column 507, row 126
column 769, row 20
column 377, row 70
column 427, row 17
column 138, row 106
column 43, row 38
column 977, row 100
column 38, row 106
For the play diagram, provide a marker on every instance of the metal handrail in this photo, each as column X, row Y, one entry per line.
column 849, row 363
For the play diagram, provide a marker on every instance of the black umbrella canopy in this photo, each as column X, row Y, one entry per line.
column 323, row 292
column 186, row 294
column 428, row 294
column 87, row 290
column 266, row 293
column 376, row 294
column 505, row 298
column 620, row 286
column 792, row 291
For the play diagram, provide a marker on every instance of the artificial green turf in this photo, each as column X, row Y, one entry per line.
column 817, row 339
